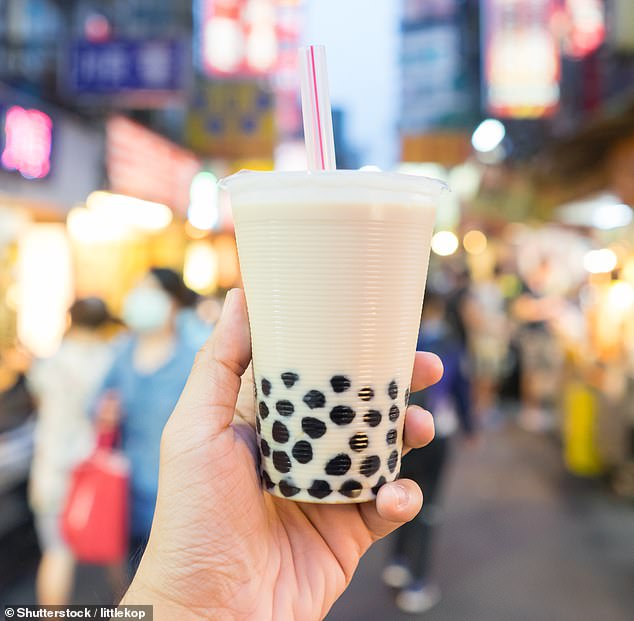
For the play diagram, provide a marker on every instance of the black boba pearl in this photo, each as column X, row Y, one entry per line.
column 289, row 379
column 265, row 448
column 339, row 383
column 280, row 432
column 391, row 436
column 370, row 465
column 392, row 390
column 379, row 484
column 338, row 465
column 281, row 461
column 314, row 399
column 319, row 489
column 406, row 397
column 264, row 409
column 366, row 394
column 303, row 451
column 351, row 488
column 372, row 417
column 287, row 488
column 266, row 479
column 266, row 387
column 391, row 460
column 359, row 442
column 342, row 415
column 258, row 425
column 285, row 408
column 394, row 413
column 313, row 427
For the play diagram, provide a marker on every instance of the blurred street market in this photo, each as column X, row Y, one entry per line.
column 119, row 118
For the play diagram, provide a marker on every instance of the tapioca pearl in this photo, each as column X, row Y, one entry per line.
column 366, row 394
column 394, row 413
column 392, row 390
column 372, row 417
column 258, row 424
column 265, row 448
column 264, row 409
column 359, row 442
column 288, row 488
column 281, row 461
column 391, row 460
column 342, row 415
column 351, row 488
column 302, row 451
column 313, row 427
column 284, row 407
column 314, row 399
column 339, row 383
column 266, row 480
column 319, row 489
column 391, row 436
column 379, row 484
column 289, row 378
column 266, row 387
column 370, row 465
column 338, row 465
column 280, row 432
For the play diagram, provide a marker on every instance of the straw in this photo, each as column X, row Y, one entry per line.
column 318, row 135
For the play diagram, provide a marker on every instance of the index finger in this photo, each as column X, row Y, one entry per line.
column 428, row 370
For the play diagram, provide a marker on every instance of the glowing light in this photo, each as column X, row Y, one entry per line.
column 475, row 242
column 204, row 211
column 370, row 168
column 88, row 227
column 45, row 287
column 488, row 136
column 129, row 211
column 444, row 243
column 611, row 216
column 621, row 295
column 28, row 140
column 200, row 271
column 600, row 261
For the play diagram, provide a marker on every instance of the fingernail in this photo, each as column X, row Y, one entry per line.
column 228, row 301
column 402, row 495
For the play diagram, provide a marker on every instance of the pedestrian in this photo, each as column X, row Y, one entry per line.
column 64, row 386
column 450, row 402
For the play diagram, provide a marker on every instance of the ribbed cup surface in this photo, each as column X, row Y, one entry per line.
column 334, row 293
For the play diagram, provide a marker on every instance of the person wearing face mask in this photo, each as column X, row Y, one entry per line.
column 143, row 385
column 450, row 403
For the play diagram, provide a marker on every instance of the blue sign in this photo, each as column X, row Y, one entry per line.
column 126, row 67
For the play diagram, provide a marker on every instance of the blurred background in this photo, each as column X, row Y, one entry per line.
column 118, row 117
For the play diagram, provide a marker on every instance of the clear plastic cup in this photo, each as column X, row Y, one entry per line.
column 334, row 265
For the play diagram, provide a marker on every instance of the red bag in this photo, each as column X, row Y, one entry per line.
column 95, row 515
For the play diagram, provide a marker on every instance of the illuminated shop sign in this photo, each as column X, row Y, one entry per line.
column 26, row 139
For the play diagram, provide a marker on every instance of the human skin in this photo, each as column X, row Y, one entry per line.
column 220, row 548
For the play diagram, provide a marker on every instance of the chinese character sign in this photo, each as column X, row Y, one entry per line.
column 237, row 37
column 521, row 58
column 27, row 142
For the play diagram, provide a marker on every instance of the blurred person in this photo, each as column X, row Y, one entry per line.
column 488, row 334
column 449, row 400
column 64, row 386
column 143, row 385
column 220, row 547
column 535, row 309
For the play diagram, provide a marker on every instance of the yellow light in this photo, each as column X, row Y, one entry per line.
column 621, row 295
column 444, row 243
column 475, row 242
column 200, row 271
column 45, row 287
column 133, row 212
column 86, row 226
column 600, row 261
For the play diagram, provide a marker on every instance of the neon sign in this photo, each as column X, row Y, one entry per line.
column 27, row 142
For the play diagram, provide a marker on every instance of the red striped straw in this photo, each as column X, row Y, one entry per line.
column 318, row 135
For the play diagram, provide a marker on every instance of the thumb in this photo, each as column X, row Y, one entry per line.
column 208, row 401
